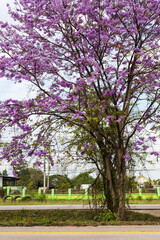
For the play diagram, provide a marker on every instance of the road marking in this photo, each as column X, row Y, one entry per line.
column 77, row 232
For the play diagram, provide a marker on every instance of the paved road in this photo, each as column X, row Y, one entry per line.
column 145, row 206
column 45, row 207
column 41, row 207
column 81, row 233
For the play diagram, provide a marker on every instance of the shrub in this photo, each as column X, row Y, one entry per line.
column 105, row 216
column 139, row 198
column 2, row 192
column 40, row 197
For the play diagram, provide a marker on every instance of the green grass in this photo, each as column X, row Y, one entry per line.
column 70, row 218
column 144, row 196
column 143, row 201
column 44, row 202
column 65, row 196
column 71, row 202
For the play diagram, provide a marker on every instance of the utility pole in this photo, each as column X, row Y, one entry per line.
column 48, row 168
column 48, row 175
column 44, row 177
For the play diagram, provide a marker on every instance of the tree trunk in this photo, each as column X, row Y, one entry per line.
column 121, row 206
column 114, row 186
column 108, row 196
column 109, row 186
column 111, row 198
column 121, row 187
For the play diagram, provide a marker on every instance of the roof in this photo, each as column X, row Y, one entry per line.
column 141, row 179
column 9, row 177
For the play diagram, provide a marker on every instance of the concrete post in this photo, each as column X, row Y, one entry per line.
column 69, row 193
column 86, row 193
column 8, row 190
column 158, row 192
column 52, row 193
column 140, row 192
column 39, row 191
column 23, row 192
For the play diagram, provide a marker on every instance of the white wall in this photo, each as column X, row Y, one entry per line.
column 1, row 182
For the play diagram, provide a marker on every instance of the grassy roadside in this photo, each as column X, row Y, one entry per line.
column 44, row 202
column 147, row 201
column 71, row 218
column 70, row 202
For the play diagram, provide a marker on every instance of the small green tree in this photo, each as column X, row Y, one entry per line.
column 156, row 182
column 2, row 192
column 30, row 178
column 82, row 178
column 60, row 181
column 4, row 173
column 148, row 184
column 131, row 184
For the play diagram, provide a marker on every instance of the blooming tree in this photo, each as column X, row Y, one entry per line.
column 94, row 65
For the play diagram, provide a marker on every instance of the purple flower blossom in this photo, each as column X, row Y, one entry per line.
column 141, row 138
column 154, row 153
column 4, row 25
column 145, row 147
column 13, row 162
column 139, row 142
column 50, row 158
column 110, row 117
column 138, row 127
column 38, row 163
column 52, row 163
column 119, row 120
column 127, row 157
column 152, row 138
column 82, row 152
column 14, row 173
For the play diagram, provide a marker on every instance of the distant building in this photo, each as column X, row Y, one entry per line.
column 141, row 180
column 85, row 186
column 7, row 181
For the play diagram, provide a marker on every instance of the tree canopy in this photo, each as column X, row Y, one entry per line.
column 60, row 181
column 31, row 178
column 94, row 67
column 82, row 178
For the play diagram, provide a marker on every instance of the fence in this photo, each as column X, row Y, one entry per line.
column 86, row 193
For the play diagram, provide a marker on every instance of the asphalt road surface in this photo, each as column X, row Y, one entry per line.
column 81, row 233
column 45, row 207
